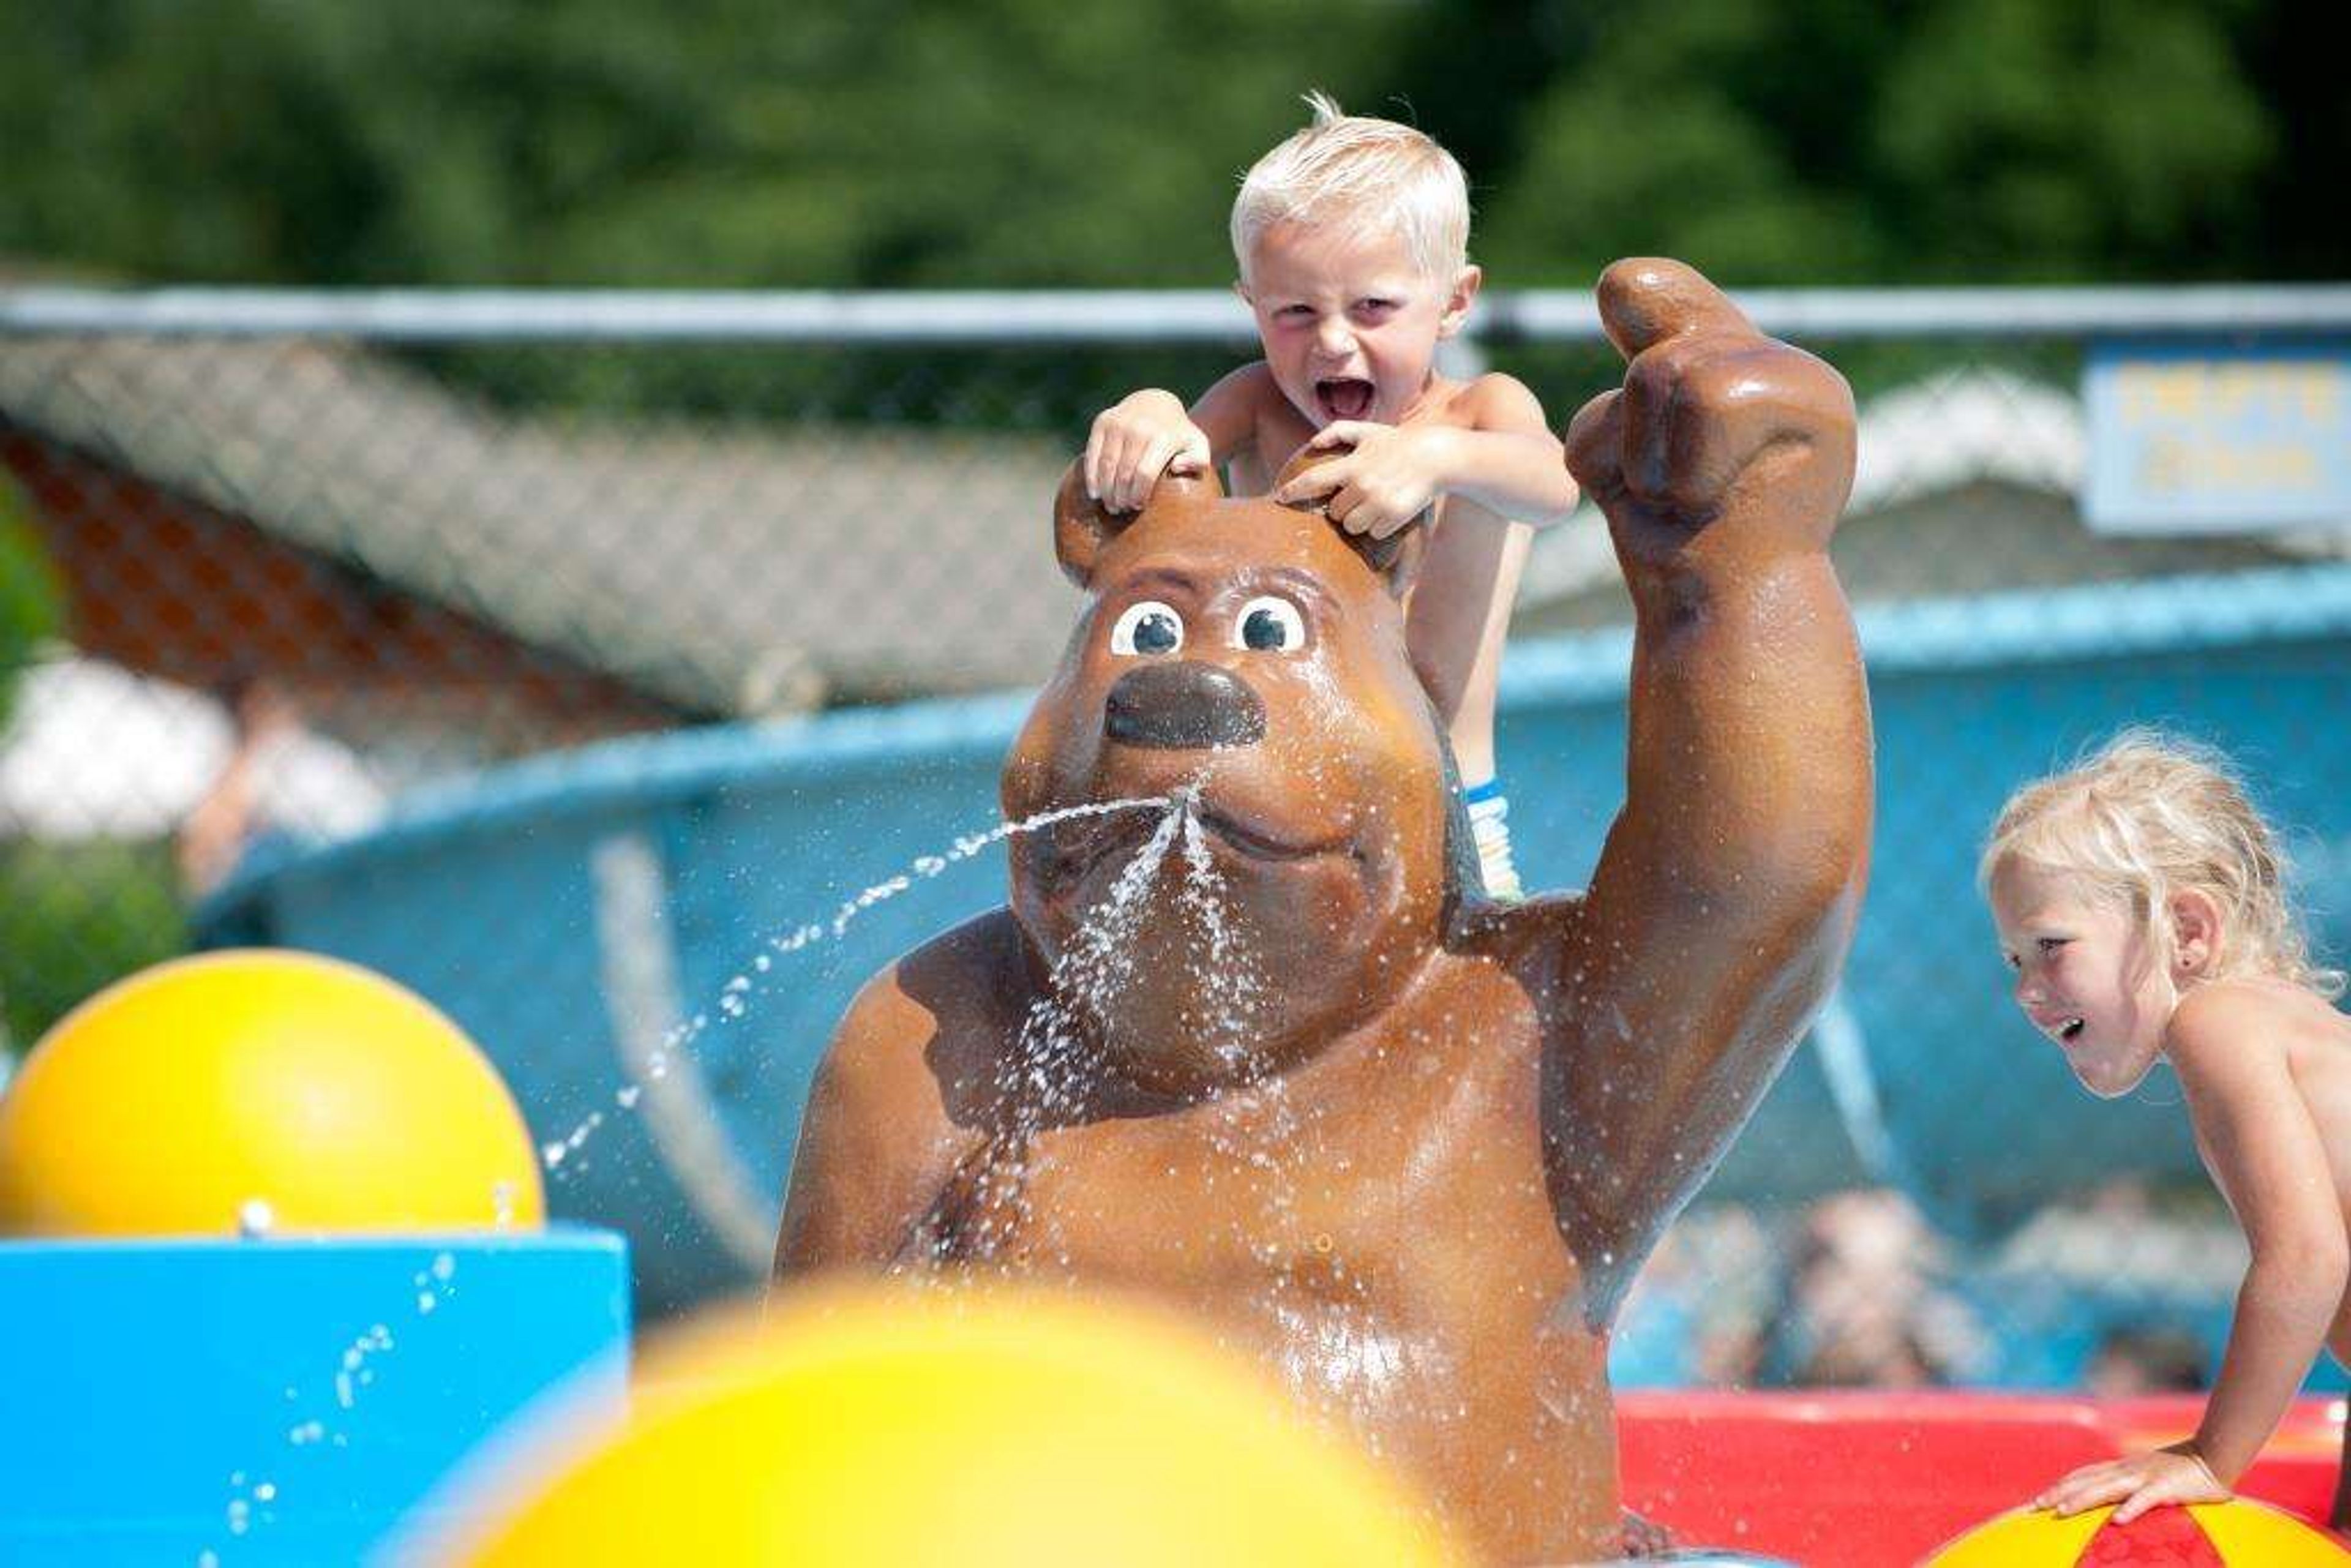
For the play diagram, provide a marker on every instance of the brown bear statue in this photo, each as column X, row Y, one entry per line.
column 1249, row 1041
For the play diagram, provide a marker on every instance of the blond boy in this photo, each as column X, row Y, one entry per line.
column 1352, row 243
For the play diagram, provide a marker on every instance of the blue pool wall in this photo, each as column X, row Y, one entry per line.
column 293, row 1400
column 573, row 911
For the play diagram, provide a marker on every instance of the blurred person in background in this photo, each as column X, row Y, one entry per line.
column 2146, row 1359
column 1860, row 1307
column 279, row 777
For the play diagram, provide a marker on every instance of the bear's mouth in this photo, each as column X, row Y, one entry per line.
column 1344, row 397
column 1067, row 851
column 1257, row 842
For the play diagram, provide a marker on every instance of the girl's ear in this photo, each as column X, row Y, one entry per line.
column 2195, row 929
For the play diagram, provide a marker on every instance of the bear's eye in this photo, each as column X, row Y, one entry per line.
column 1271, row 625
column 1147, row 627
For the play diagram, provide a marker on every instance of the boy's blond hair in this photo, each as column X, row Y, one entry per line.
column 2147, row 815
column 1371, row 171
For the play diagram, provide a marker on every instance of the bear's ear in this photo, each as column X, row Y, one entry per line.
column 1081, row 526
column 1395, row 558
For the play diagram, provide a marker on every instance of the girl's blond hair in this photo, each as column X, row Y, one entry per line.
column 1375, row 171
column 2149, row 814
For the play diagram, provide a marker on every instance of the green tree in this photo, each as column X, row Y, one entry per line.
column 1016, row 142
column 2095, row 138
column 599, row 141
column 1713, row 130
column 75, row 917
column 30, row 612
column 1954, row 141
column 30, row 598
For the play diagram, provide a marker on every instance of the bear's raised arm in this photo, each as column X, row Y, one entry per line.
column 1725, row 896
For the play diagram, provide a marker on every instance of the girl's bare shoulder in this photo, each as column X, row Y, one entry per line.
column 2244, row 1014
column 2227, row 1000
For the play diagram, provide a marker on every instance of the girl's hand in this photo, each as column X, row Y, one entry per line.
column 2137, row 1484
column 1387, row 476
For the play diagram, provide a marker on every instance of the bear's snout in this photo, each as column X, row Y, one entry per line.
column 1183, row 706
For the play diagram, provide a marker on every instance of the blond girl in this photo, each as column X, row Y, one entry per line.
column 2141, row 902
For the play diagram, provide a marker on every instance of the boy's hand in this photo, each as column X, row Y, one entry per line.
column 1136, row 440
column 2137, row 1484
column 1387, row 478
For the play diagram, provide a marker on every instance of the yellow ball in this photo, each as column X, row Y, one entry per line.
column 260, row 1087
column 901, row 1426
column 2240, row 1531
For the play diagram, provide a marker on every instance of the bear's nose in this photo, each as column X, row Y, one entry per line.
column 1184, row 705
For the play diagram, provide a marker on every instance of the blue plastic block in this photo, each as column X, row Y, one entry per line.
column 280, row 1401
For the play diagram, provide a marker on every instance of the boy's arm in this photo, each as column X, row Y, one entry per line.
column 1507, row 461
column 1497, row 454
column 1150, row 433
column 1231, row 412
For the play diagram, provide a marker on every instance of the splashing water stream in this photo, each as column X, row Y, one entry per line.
column 1258, row 1127
column 735, row 997
column 1255, row 1132
column 254, row 1495
column 252, row 1500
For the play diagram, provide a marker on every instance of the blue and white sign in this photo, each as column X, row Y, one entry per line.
column 2216, row 438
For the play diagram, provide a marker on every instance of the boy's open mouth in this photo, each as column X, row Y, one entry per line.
column 2070, row 1031
column 1344, row 397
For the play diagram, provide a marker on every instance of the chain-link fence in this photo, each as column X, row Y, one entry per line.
column 292, row 587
